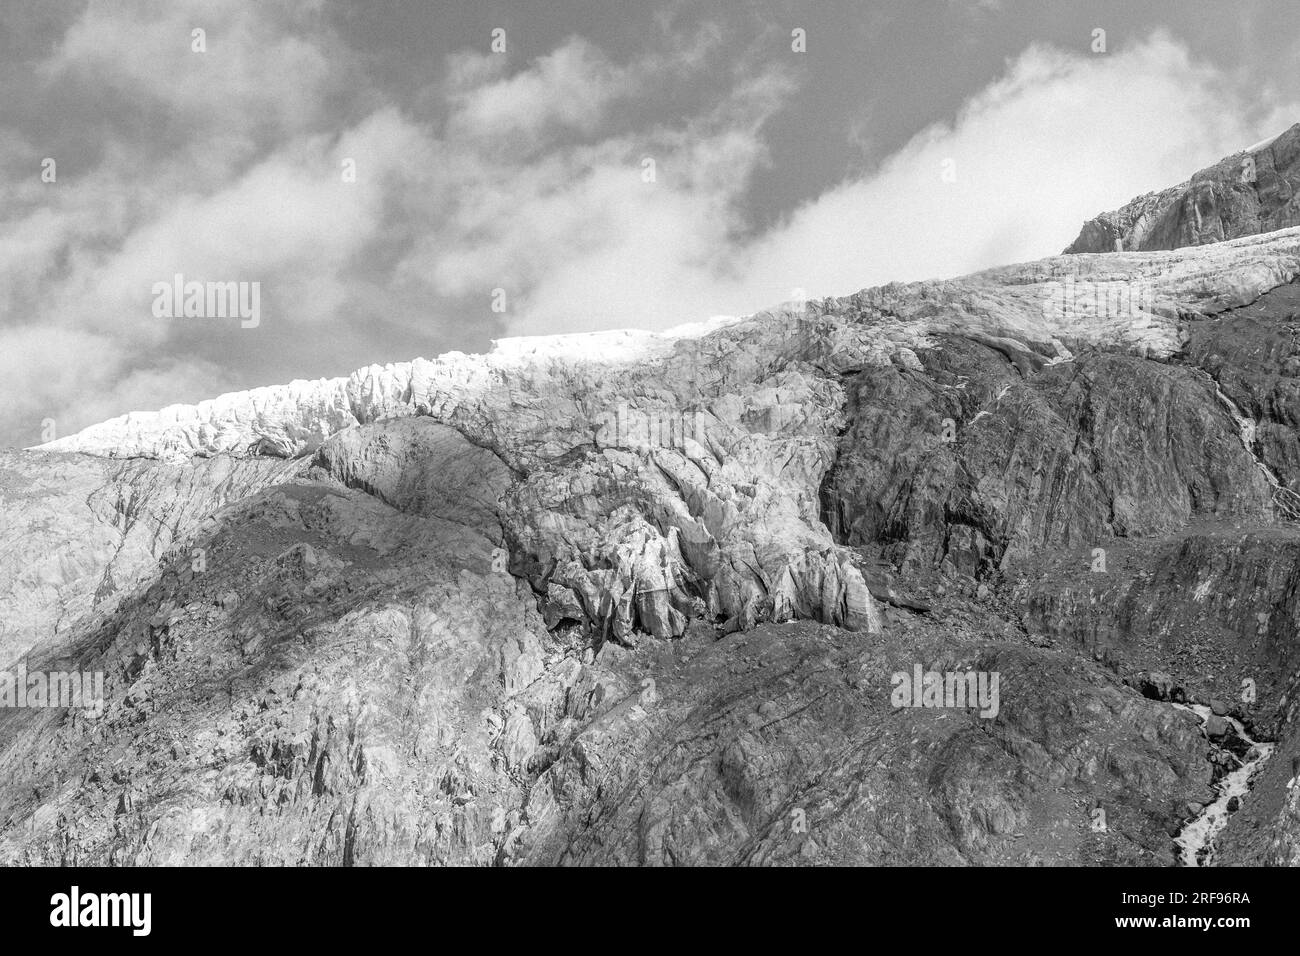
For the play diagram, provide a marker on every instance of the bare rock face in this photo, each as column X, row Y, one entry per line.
column 1251, row 192
column 419, row 467
column 378, row 694
column 779, row 747
column 645, row 598
column 78, row 532
column 1103, row 446
column 362, row 702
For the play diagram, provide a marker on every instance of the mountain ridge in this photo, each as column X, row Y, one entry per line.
column 237, row 422
column 541, row 607
column 1246, row 193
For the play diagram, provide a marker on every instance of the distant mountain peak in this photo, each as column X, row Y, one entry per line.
column 1254, row 191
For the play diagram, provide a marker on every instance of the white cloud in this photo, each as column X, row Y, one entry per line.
column 569, row 87
column 592, row 236
column 1061, row 137
column 252, row 71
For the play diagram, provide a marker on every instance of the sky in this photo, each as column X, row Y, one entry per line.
column 403, row 178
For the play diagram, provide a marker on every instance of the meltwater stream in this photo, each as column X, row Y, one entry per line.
column 1287, row 501
column 1197, row 838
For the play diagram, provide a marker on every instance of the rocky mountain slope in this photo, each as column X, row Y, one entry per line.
column 642, row 598
column 1250, row 192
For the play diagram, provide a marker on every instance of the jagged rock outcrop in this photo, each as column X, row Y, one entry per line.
column 1247, row 193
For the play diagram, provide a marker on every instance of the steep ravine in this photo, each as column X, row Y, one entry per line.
column 1240, row 758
